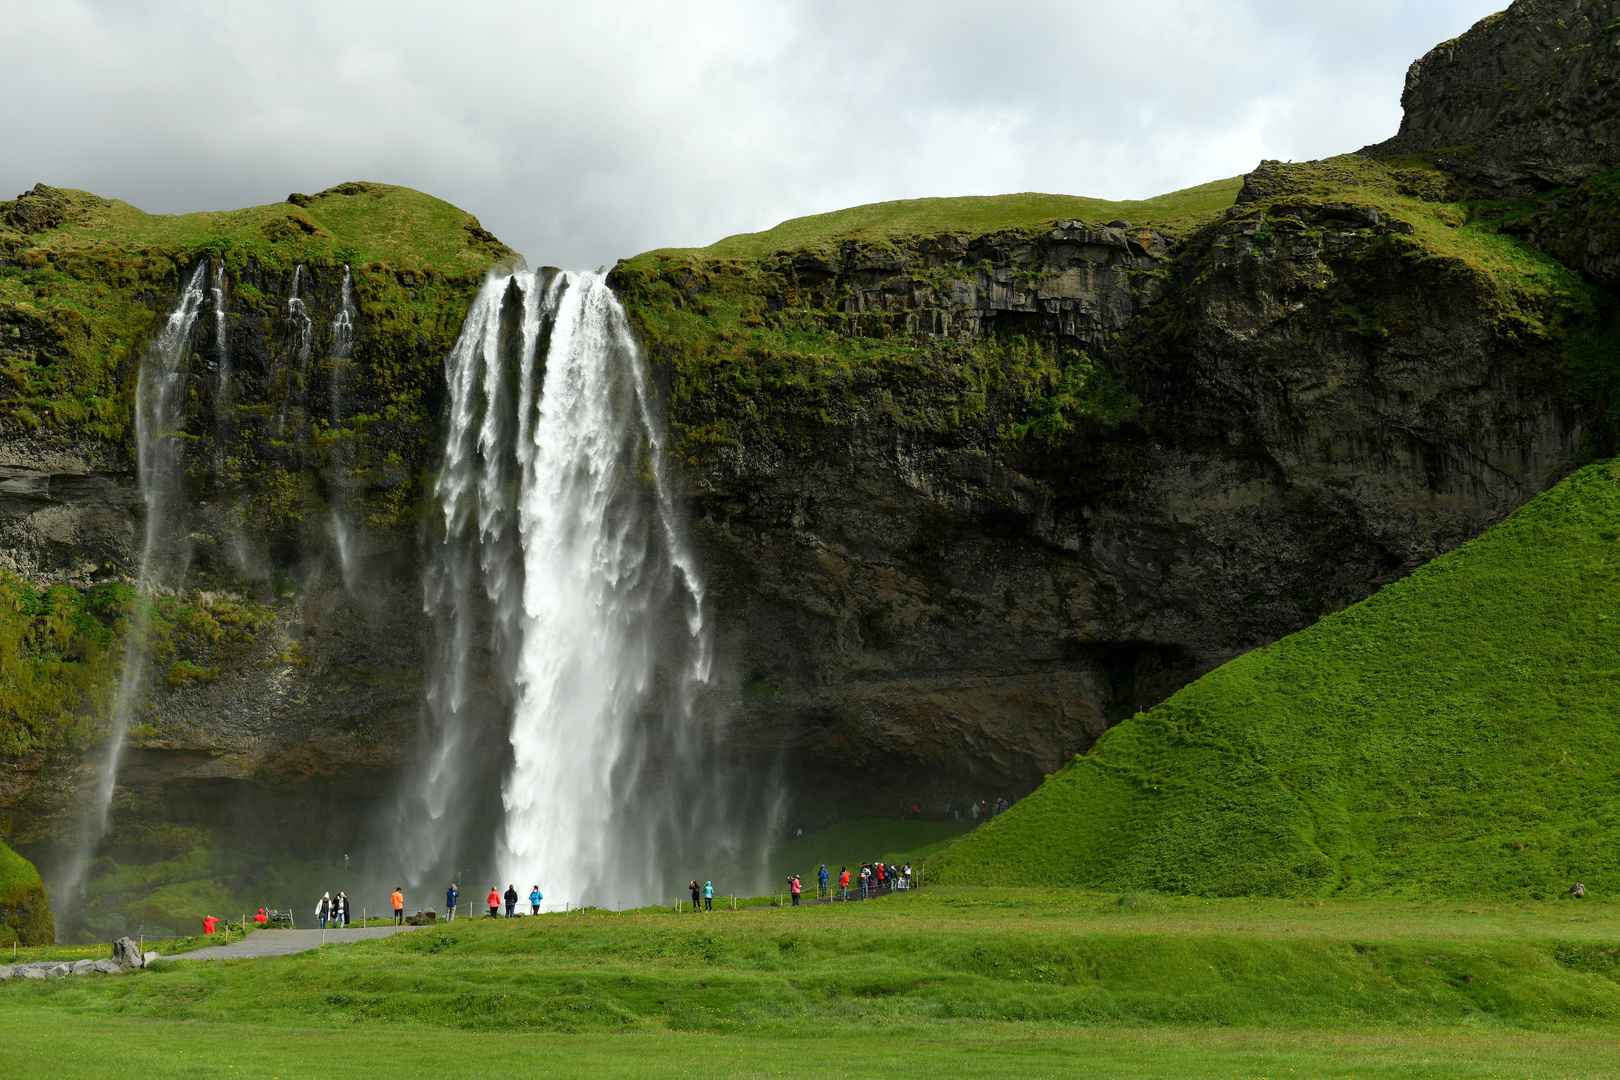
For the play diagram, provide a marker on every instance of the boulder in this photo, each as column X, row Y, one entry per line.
column 149, row 957
column 83, row 967
column 7, row 971
column 127, row 954
column 31, row 972
column 108, row 967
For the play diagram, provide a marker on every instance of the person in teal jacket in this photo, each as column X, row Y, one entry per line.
column 708, row 896
column 535, row 897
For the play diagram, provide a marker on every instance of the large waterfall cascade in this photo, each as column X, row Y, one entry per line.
column 569, row 611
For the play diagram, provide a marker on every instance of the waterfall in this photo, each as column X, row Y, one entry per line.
column 569, row 612
column 303, row 328
column 160, row 400
column 342, row 339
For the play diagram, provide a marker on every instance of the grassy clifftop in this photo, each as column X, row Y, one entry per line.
column 875, row 223
column 1457, row 733
column 83, row 279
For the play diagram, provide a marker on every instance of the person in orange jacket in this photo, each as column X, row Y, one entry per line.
column 494, row 900
column 843, row 883
column 399, row 906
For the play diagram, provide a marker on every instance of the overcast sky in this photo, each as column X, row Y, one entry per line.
column 587, row 131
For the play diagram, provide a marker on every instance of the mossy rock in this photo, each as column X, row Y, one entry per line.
column 25, row 912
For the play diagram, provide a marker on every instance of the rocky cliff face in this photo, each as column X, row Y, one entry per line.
column 1318, row 398
column 963, row 499
column 1527, row 100
column 282, row 687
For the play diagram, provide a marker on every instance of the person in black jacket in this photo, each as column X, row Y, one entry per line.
column 511, row 899
column 340, row 909
column 323, row 910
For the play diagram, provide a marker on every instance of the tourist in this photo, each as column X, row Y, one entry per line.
column 398, row 899
column 209, row 922
column 451, row 895
column 866, row 880
column 973, row 809
column 708, row 896
column 494, row 899
column 511, row 899
column 323, row 910
column 843, row 882
column 794, row 887
column 879, row 876
column 340, row 909
column 261, row 918
column 821, row 881
column 534, row 899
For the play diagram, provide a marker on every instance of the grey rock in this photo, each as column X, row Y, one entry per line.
column 1523, row 100
column 149, row 957
column 127, row 954
column 108, row 966
column 83, row 967
column 28, row 971
column 7, row 971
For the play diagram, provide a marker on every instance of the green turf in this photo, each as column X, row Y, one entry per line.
column 961, row 981
column 1457, row 733
column 262, row 1052
column 25, row 914
column 968, row 214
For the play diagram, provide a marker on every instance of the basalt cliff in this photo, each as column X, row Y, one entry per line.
column 969, row 480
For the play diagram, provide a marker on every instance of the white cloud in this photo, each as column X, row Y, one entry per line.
column 583, row 132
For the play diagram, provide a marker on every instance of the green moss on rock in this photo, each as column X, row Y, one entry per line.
column 25, row 912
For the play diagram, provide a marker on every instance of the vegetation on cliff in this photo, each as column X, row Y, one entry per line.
column 61, row 649
column 1455, row 734
column 83, row 279
column 25, row 913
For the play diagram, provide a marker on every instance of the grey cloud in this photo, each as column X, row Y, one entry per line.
column 581, row 133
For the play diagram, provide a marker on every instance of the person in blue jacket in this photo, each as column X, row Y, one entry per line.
column 450, row 896
column 535, row 897
column 821, row 876
column 708, row 896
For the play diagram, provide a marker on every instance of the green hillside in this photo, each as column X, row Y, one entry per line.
column 966, row 214
column 25, row 914
column 1457, row 733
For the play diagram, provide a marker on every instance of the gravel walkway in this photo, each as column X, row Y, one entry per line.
column 285, row 942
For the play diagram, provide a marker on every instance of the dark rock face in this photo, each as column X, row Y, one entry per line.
column 1324, row 406
column 1528, row 99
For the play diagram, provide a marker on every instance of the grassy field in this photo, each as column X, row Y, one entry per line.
column 961, row 981
column 1454, row 734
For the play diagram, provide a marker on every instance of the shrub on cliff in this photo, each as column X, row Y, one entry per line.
column 25, row 913
column 1456, row 733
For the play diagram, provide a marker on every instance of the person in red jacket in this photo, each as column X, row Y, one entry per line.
column 494, row 899
column 261, row 918
column 796, row 888
column 209, row 922
column 843, row 883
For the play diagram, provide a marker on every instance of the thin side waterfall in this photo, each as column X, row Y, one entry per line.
column 159, row 414
column 342, row 338
column 569, row 612
column 303, row 328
